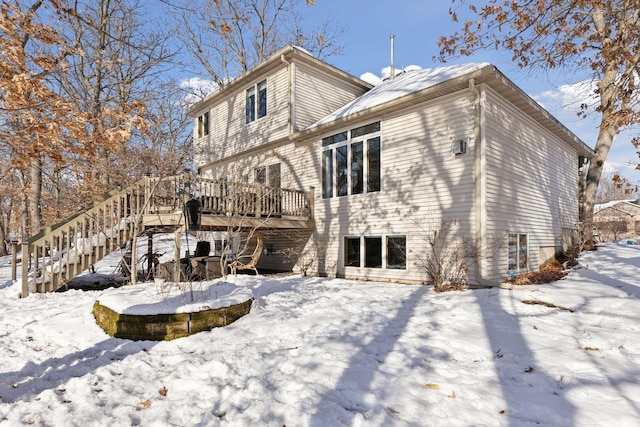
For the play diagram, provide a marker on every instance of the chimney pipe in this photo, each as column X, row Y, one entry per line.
column 392, row 72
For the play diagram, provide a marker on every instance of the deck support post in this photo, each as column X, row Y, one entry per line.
column 149, row 255
column 176, row 262
column 25, row 271
column 312, row 201
column 14, row 261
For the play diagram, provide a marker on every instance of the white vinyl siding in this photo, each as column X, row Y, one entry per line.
column 317, row 94
column 231, row 134
column 531, row 181
column 314, row 94
column 421, row 179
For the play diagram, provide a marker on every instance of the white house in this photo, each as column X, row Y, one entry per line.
column 456, row 144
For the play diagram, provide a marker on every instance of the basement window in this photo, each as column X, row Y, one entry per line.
column 397, row 252
column 352, row 252
column 518, row 253
column 388, row 252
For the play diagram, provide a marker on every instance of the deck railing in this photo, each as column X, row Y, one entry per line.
column 59, row 253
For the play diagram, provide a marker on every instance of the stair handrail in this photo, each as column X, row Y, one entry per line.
column 44, row 232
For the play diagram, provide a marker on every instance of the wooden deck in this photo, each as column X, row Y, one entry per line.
column 170, row 221
column 60, row 252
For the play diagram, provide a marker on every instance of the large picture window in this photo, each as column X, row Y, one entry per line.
column 351, row 162
column 256, row 102
column 518, row 253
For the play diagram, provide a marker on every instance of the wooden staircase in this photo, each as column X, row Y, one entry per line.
column 62, row 251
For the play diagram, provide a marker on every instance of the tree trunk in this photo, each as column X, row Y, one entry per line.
column 35, row 195
column 603, row 144
column 3, row 238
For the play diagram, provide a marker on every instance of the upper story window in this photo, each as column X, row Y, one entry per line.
column 203, row 125
column 268, row 175
column 256, row 106
column 351, row 163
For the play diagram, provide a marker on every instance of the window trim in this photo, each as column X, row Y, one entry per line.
column 203, row 124
column 520, row 265
column 384, row 251
column 341, row 146
column 258, row 93
column 386, row 243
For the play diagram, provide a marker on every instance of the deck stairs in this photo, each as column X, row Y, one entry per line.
column 57, row 254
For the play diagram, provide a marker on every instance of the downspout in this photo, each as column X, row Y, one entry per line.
column 290, row 94
column 480, row 163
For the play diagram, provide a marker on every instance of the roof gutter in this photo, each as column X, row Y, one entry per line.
column 394, row 105
column 290, row 94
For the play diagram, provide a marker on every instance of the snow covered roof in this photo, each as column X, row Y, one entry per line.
column 404, row 84
column 600, row 206
column 412, row 87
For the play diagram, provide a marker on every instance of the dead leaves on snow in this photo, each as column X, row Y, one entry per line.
column 433, row 386
column 146, row 404
column 546, row 304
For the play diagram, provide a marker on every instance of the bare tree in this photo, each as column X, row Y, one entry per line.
column 115, row 79
column 229, row 37
column 613, row 186
column 71, row 76
column 612, row 230
column 598, row 36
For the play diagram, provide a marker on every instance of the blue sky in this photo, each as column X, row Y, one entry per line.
column 417, row 25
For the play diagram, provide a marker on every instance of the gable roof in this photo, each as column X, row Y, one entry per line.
column 284, row 55
column 632, row 203
column 416, row 86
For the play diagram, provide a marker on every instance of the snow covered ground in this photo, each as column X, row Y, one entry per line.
column 330, row 352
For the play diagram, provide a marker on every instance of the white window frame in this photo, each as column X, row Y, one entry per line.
column 203, row 124
column 518, row 252
column 384, row 251
column 349, row 142
column 256, row 104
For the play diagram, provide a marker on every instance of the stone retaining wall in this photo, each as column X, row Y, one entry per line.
column 165, row 327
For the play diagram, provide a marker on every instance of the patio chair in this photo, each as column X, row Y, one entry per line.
column 248, row 262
